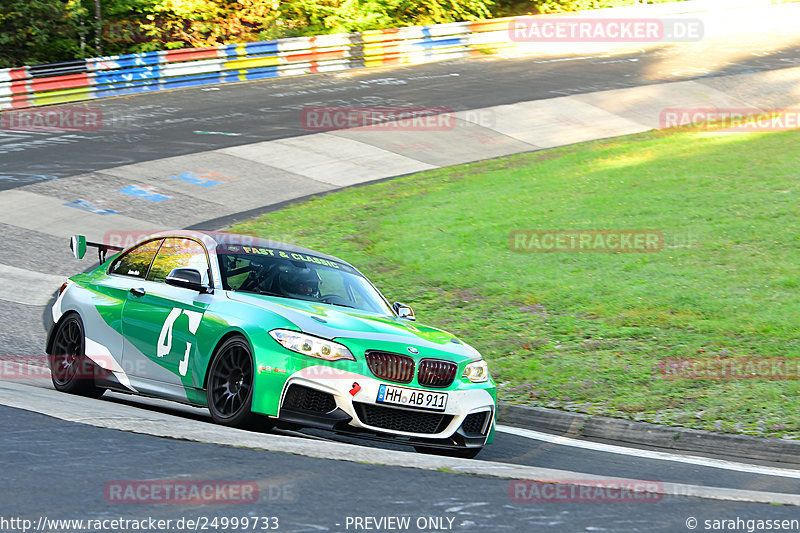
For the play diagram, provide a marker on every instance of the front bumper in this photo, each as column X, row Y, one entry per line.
column 346, row 402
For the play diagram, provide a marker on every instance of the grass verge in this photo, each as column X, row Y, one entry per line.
column 587, row 331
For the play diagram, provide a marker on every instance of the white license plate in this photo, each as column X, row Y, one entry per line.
column 420, row 399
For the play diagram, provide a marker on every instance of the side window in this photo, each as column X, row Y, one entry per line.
column 178, row 253
column 136, row 262
column 236, row 270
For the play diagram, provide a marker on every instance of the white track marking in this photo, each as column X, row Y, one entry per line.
column 28, row 287
column 649, row 454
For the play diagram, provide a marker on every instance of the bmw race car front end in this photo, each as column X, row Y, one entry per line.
column 421, row 395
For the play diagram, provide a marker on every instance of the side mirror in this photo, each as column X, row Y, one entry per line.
column 188, row 278
column 77, row 244
column 403, row 311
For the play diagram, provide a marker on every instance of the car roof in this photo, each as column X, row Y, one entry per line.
column 222, row 238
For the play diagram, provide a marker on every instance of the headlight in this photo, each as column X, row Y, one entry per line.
column 477, row 372
column 311, row 346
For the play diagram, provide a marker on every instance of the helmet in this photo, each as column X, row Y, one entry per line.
column 300, row 283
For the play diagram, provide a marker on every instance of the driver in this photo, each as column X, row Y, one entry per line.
column 300, row 283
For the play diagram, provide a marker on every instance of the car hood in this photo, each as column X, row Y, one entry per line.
column 332, row 322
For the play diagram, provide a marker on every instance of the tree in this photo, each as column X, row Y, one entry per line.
column 308, row 17
column 199, row 23
column 40, row 31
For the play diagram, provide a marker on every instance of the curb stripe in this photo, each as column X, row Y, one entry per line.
column 651, row 454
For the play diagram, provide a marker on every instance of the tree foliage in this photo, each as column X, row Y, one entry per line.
column 307, row 17
column 39, row 31
column 198, row 23
column 43, row 31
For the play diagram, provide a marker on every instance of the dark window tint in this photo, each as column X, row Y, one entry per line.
column 179, row 253
column 136, row 262
column 298, row 276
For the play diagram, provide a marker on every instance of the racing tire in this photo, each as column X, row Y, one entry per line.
column 70, row 370
column 230, row 385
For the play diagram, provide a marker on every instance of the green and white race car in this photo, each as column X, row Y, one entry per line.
column 265, row 333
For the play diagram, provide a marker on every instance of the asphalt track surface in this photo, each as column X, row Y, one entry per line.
column 514, row 449
column 54, row 466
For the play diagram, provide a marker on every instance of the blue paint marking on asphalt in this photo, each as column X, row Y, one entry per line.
column 194, row 179
column 90, row 207
column 144, row 193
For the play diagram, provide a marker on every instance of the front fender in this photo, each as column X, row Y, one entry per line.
column 226, row 318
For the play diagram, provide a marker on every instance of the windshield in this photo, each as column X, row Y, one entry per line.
column 299, row 276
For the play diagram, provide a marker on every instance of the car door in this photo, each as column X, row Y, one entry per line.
column 103, row 318
column 160, row 321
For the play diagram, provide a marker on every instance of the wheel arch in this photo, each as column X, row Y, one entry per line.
column 52, row 333
column 222, row 340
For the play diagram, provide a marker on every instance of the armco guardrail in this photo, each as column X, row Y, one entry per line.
column 152, row 71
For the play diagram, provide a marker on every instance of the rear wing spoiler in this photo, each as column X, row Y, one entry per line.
column 78, row 245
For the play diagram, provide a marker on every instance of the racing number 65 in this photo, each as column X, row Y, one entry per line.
column 165, row 337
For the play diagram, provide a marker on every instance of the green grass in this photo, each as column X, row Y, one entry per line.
column 583, row 332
